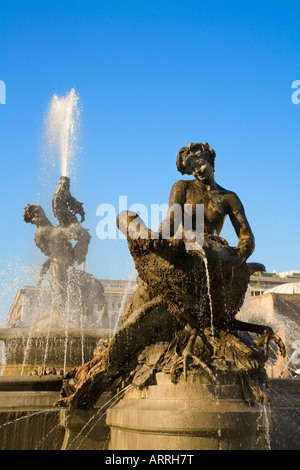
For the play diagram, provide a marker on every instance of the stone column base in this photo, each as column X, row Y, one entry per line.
column 191, row 415
column 86, row 429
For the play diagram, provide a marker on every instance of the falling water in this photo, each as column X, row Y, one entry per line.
column 34, row 413
column 294, row 359
column 2, row 357
column 109, row 404
column 32, row 329
column 209, row 295
column 124, row 300
column 266, row 413
column 82, row 336
column 65, row 314
column 81, row 327
column 62, row 124
column 46, row 348
column 27, row 348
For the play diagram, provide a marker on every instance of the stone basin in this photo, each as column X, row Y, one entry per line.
column 62, row 349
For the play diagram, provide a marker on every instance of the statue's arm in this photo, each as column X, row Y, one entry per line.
column 76, row 207
column 44, row 269
column 175, row 211
column 241, row 226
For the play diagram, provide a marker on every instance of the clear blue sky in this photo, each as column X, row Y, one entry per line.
column 152, row 76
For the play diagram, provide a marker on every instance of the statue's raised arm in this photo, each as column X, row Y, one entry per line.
column 241, row 226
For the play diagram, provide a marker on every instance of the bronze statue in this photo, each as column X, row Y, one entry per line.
column 66, row 247
column 183, row 314
column 64, row 205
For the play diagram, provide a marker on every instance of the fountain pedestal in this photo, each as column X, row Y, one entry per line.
column 27, row 349
column 191, row 415
column 86, row 429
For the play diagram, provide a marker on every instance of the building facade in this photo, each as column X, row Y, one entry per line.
column 261, row 281
column 117, row 294
column 32, row 305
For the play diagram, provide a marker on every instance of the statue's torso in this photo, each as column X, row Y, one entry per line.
column 215, row 206
column 52, row 242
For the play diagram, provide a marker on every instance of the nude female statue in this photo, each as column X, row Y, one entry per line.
column 198, row 160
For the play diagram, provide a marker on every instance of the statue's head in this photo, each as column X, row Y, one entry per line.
column 34, row 214
column 64, row 182
column 184, row 160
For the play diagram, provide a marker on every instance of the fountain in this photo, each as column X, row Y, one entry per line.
column 196, row 377
column 182, row 372
column 58, row 327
